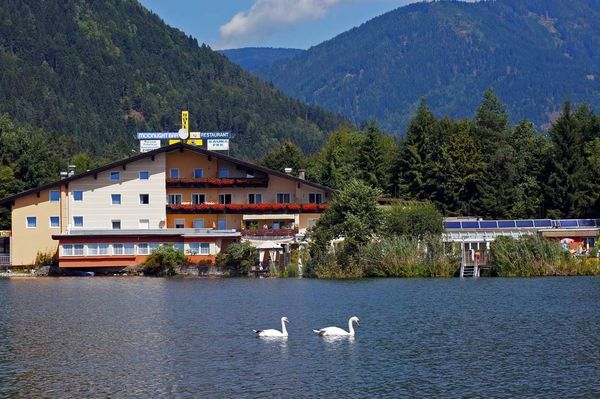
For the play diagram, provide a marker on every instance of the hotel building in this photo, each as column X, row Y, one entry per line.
column 196, row 200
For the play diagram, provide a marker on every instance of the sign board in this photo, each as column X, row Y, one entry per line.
column 4, row 233
column 217, row 144
column 175, row 135
column 149, row 145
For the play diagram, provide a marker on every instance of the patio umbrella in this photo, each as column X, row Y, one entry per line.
column 566, row 241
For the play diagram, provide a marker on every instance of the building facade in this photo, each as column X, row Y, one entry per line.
column 196, row 200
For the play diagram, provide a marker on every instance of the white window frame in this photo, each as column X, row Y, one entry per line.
column 179, row 222
column 201, row 173
column 320, row 195
column 197, row 194
column 171, row 170
column 128, row 248
column 283, row 197
column 118, row 245
column 140, row 175
column 92, row 249
column 74, row 198
column 67, row 250
column 174, row 196
column 112, row 200
column 140, row 199
column 103, row 249
column 75, row 224
column 50, row 222
column 112, row 224
column 34, row 222
column 144, row 222
column 78, row 249
column 255, row 201
column 204, row 248
column 224, row 194
column 50, row 195
column 179, row 246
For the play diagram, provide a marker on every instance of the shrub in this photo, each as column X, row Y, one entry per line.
column 240, row 257
column 46, row 259
column 163, row 260
column 413, row 219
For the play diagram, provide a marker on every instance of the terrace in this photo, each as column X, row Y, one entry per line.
column 245, row 208
column 216, row 182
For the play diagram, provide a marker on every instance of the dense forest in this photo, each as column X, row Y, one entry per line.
column 254, row 58
column 99, row 71
column 536, row 54
column 484, row 166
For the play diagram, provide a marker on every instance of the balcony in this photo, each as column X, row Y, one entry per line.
column 257, row 209
column 268, row 234
column 215, row 182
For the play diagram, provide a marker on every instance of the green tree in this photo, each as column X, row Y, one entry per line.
column 163, row 261
column 287, row 155
column 413, row 219
column 239, row 258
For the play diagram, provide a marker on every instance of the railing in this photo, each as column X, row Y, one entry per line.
column 4, row 260
column 246, row 208
column 216, row 182
column 269, row 233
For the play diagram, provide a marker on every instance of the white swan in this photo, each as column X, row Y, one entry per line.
column 338, row 332
column 274, row 333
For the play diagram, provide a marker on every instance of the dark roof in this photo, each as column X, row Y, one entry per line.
column 165, row 149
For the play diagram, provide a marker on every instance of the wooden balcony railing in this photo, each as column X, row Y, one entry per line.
column 215, row 182
column 259, row 209
column 266, row 233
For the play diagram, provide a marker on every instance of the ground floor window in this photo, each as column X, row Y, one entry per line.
column 199, row 248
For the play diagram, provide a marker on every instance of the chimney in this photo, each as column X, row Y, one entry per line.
column 71, row 169
column 64, row 175
column 302, row 174
column 288, row 171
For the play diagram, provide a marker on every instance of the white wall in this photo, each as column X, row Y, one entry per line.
column 97, row 209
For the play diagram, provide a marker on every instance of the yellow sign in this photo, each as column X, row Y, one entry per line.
column 4, row 233
column 174, row 141
column 185, row 120
column 197, row 142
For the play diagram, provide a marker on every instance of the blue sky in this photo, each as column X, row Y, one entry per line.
column 268, row 23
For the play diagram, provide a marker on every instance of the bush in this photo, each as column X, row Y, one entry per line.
column 240, row 257
column 530, row 256
column 413, row 219
column 163, row 261
column 46, row 259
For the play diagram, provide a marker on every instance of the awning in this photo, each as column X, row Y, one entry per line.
column 282, row 216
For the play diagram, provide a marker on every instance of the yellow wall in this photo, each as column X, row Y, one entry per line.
column 26, row 242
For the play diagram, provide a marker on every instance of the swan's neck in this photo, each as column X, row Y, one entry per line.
column 350, row 327
column 283, row 330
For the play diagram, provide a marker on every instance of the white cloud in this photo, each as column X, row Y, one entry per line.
column 268, row 16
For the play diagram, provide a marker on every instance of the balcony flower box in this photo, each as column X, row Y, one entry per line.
column 246, row 208
column 212, row 182
column 269, row 232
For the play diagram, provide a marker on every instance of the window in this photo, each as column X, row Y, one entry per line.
column 116, row 224
column 31, row 222
column 198, row 173
column 144, row 175
column 67, row 250
column 128, row 248
column 77, row 195
column 198, row 199
column 255, row 198
column 54, row 196
column 142, row 249
column 54, row 222
column 224, row 198
column 179, row 223
column 102, row 249
column 118, row 249
column 77, row 221
column 92, row 249
column 78, row 249
column 144, row 199
column 144, row 224
column 223, row 172
column 283, row 198
column 198, row 223
column 152, row 246
column 115, row 199
column 178, row 246
column 115, row 176
column 174, row 199
column 199, row 248
column 174, row 173
column 315, row 198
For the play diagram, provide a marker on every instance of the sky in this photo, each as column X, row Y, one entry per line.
column 268, row 23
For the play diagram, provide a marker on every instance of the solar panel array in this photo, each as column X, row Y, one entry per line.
column 521, row 224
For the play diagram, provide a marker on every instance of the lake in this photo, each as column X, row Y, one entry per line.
column 143, row 337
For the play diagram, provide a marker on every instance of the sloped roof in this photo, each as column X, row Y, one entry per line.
column 165, row 149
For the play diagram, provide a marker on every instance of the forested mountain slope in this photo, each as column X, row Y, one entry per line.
column 100, row 70
column 534, row 53
column 254, row 58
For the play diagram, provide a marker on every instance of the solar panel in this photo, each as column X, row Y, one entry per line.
column 524, row 223
column 506, row 224
column 587, row 223
column 567, row 223
column 470, row 225
column 452, row 225
column 489, row 224
column 543, row 223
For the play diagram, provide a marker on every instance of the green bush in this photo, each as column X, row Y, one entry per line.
column 530, row 256
column 415, row 219
column 46, row 259
column 240, row 257
column 163, row 261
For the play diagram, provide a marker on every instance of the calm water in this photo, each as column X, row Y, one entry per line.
column 142, row 337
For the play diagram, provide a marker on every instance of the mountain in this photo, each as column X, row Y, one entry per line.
column 100, row 70
column 254, row 58
column 534, row 53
